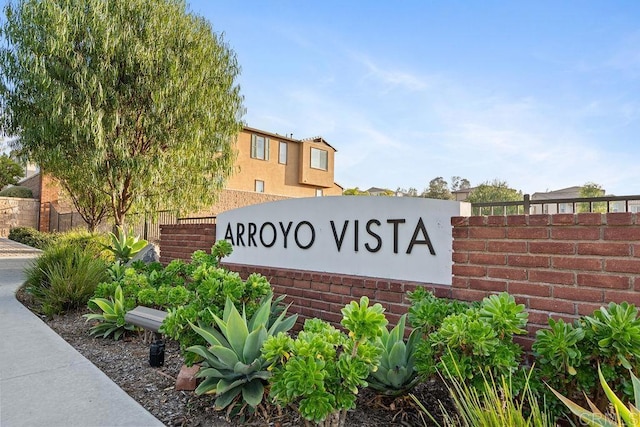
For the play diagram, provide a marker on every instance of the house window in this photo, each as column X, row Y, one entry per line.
column 318, row 192
column 259, row 186
column 282, row 156
column 259, row 147
column 319, row 159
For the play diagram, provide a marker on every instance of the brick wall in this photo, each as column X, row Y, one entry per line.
column 180, row 241
column 17, row 212
column 562, row 265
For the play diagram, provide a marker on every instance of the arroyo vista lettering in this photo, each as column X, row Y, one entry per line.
column 303, row 234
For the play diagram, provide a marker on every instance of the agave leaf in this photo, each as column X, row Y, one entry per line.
column 397, row 377
column 252, row 392
column 209, row 373
column 226, row 355
column 225, row 385
column 397, row 355
column 228, row 306
column 211, row 360
column 216, row 333
column 283, row 325
column 104, row 304
column 261, row 317
column 246, row 369
column 207, row 386
column 226, row 398
column 237, row 331
column 253, row 344
column 138, row 246
column 206, row 334
column 93, row 316
column 397, row 333
column 620, row 407
column 592, row 419
column 636, row 389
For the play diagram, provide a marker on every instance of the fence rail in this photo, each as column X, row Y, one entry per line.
column 566, row 205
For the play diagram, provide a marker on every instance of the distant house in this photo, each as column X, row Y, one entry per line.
column 463, row 194
column 552, row 208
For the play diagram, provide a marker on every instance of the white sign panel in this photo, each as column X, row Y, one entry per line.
column 402, row 238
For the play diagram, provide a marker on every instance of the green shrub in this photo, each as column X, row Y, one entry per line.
column 64, row 277
column 568, row 354
column 31, row 237
column 323, row 369
column 111, row 319
column 17, row 191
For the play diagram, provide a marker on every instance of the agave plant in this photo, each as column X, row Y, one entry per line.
column 630, row 415
column 125, row 247
column 111, row 320
column 396, row 373
column 233, row 363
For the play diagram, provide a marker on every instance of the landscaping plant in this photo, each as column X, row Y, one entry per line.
column 475, row 343
column 622, row 415
column 396, row 374
column 323, row 369
column 123, row 246
column 232, row 363
column 111, row 320
column 569, row 354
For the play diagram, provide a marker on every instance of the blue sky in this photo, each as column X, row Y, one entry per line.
column 544, row 94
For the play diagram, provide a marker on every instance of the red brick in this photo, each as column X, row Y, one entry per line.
column 398, row 309
column 552, row 305
column 622, row 296
column 604, row 281
column 622, row 233
column 507, row 273
column 562, row 219
column 487, row 259
column 460, row 258
column 340, row 289
column 528, row 233
column 334, row 298
column 459, row 282
column 539, row 219
column 622, row 265
column 356, row 293
column 443, row 291
column 507, row 246
column 487, row 233
column 389, row 296
column 531, row 289
column 528, row 261
column 322, row 287
column 524, row 342
column 589, row 218
column 578, row 294
column 604, row 248
column 488, row 285
column 458, row 221
column 320, row 305
column 468, row 294
column 187, row 378
column 551, row 276
column 619, row 218
column 370, row 283
column 575, row 233
column 460, row 233
column 355, row 282
column 539, row 317
column 468, row 270
column 469, row 245
column 514, row 220
column 563, row 248
column 635, row 248
column 496, row 221
column 475, row 221
column 396, row 287
column 302, row 284
column 577, row 263
column 586, row 309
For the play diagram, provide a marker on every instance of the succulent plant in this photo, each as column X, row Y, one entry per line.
column 111, row 320
column 396, row 373
column 233, row 363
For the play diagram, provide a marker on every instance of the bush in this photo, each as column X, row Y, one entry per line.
column 32, row 237
column 64, row 277
column 17, row 191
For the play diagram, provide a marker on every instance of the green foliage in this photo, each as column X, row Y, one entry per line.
column 355, row 192
column 64, row 277
column 495, row 191
column 124, row 247
column 396, row 374
column 31, row 236
column 476, row 343
column 232, row 362
column 568, row 355
column 10, row 172
column 17, row 191
column 496, row 404
column 591, row 189
column 323, row 369
column 622, row 414
column 111, row 320
column 428, row 311
column 118, row 98
column 438, row 189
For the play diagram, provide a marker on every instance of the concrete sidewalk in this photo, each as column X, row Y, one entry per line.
column 43, row 380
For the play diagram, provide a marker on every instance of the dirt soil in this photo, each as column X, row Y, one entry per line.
column 126, row 362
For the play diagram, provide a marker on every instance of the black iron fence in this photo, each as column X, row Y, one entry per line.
column 146, row 225
column 550, row 206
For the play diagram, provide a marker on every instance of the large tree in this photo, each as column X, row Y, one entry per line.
column 495, row 191
column 136, row 100
column 10, row 171
column 592, row 189
column 438, row 189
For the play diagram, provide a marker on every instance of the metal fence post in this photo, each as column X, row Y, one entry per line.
column 527, row 200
